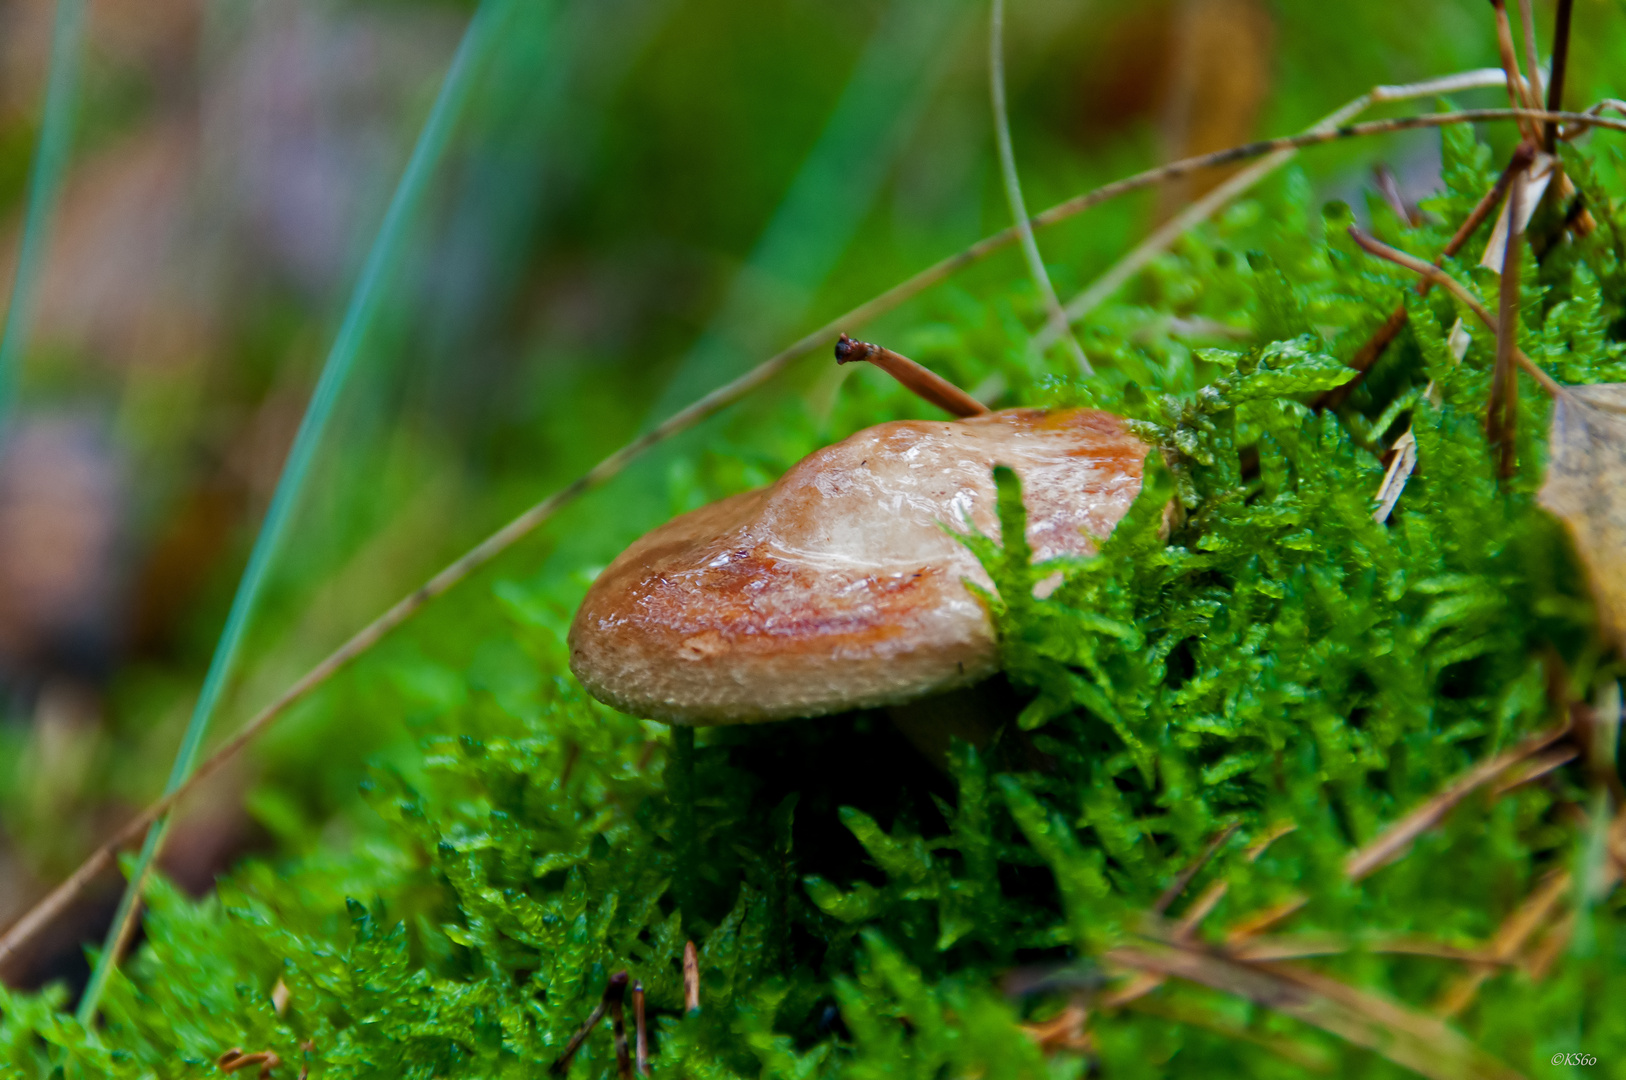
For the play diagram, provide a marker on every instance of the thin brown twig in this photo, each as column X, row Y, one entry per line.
column 103, row 858
column 1377, row 247
column 1384, row 336
column 691, row 978
column 640, row 1031
column 614, row 992
column 1510, row 937
column 1408, row 1038
column 1561, row 56
column 1532, row 59
column 920, row 381
column 1130, row 264
column 615, row 996
column 1518, row 92
column 1502, row 413
column 1186, row 927
column 1178, row 885
column 1397, row 838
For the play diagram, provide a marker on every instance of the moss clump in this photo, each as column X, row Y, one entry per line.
column 1278, row 659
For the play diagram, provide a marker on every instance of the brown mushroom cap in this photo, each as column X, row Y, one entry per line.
column 836, row 587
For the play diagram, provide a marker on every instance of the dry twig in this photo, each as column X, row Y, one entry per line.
column 1502, row 414
column 1384, row 335
column 691, row 978
column 1377, row 247
column 1509, row 939
column 641, row 1036
column 1408, row 1038
column 234, row 1059
column 1398, row 838
column 1202, row 209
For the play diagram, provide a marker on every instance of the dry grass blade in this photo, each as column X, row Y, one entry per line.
column 1394, row 841
column 1586, row 490
column 1389, row 188
column 1518, row 91
column 1186, row 928
column 691, row 978
column 1535, row 769
column 1201, row 210
column 1502, row 415
column 1410, row 1039
column 1510, row 938
column 1260, row 949
column 102, row 859
column 1303, row 1054
column 1401, row 466
column 1532, row 59
column 1178, row 885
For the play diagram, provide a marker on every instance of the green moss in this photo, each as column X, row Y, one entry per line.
column 1269, row 654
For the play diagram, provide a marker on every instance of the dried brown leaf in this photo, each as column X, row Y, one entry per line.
column 1586, row 490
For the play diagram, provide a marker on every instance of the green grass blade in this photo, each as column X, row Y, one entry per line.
column 359, row 318
column 44, row 185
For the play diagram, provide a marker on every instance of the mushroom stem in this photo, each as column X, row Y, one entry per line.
column 924, row 383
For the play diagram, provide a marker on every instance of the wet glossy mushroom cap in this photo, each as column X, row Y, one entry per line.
column 836, row 587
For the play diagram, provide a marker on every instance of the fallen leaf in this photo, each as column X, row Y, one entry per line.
column 1586, row 490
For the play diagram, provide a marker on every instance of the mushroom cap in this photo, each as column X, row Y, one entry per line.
column 837, row 587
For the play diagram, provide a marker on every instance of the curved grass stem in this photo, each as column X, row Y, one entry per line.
column 1013, row 193
column 1115, row 276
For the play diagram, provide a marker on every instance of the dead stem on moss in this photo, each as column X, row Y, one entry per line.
column 609, row 1002
column 1185, row 928
column 1561, row 53
column 1518, row 91
column 640, row 1031
column 235, row 1059
column 1510, row 938
column 691, row 978
column 1502, row 412
column 1385, row 334
column 1411, row 1039
column 1130, row 264
column 1397, row 839
column 1178, row 885
column 1383, row 251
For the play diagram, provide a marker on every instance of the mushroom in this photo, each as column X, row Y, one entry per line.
column 838, row 586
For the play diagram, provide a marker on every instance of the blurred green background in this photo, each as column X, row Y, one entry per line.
column 644, row 198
